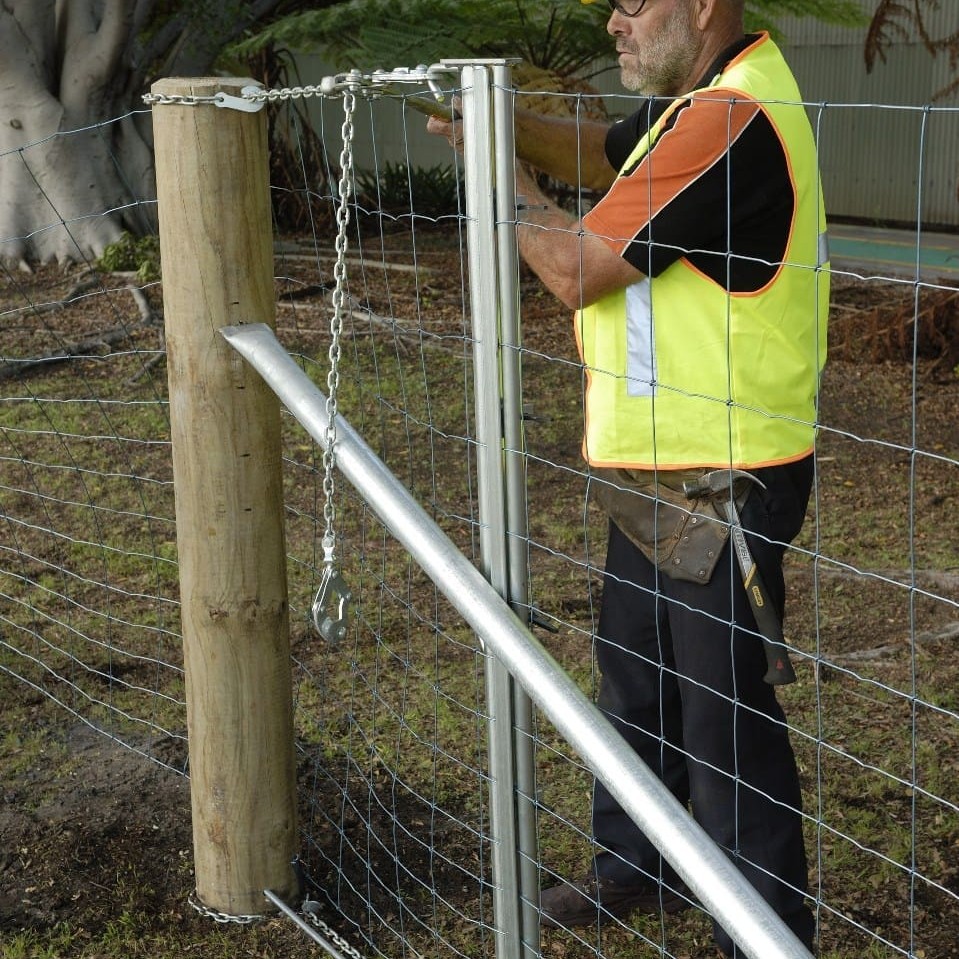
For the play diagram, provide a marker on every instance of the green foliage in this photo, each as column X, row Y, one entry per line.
column 139, row 254
column 762, row 14
column 367, row 34
column 562, row 36
column 398, row 188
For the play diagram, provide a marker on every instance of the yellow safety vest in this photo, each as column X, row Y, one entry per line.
column 681, row 373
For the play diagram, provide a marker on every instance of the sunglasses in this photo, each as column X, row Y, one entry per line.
column 632, row 8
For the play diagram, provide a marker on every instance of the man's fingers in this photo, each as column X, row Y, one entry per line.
column 439, row 126
column 450, row 129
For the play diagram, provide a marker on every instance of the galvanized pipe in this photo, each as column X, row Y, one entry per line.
column 487, row 401
column 514, row 466
column 721, row 888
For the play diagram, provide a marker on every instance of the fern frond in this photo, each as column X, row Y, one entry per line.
column 891, row 21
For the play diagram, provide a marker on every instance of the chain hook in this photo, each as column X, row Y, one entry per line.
column 333, row 589
column 334, row 592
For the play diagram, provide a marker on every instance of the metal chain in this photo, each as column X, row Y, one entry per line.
column 246, row 102
column 370, row 85
column 329, row 86
column 310, row 909
column 333, row 592
column 177, row 99
column 221, row 917
column 336, row 326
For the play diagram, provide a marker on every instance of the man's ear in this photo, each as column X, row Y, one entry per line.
column 705, row 12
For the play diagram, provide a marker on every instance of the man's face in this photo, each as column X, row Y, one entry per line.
column 658, row 48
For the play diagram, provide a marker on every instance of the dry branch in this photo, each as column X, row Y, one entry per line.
column 15, row 368
column 924, row 326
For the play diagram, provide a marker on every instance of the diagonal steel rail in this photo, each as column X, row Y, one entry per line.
column 721, row 888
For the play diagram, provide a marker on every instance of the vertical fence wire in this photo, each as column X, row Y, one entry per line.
column 90, row 611
column 390, row 725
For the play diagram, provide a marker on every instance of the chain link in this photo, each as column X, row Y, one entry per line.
column 310, row 909
column 328, row 86
column 221, row 917
column 336, row 326
column 177, row 99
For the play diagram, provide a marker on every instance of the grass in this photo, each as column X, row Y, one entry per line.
column 391, row 725
column 124, row 937
column 23, row 749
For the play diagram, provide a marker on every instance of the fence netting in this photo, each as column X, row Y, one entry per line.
column 391, row 724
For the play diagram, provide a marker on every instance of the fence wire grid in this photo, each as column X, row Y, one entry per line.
column 391, row 725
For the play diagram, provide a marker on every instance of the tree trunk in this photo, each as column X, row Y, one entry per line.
column 70, row 183
column 76, row 154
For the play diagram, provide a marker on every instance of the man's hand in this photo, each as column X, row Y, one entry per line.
column 451, row 128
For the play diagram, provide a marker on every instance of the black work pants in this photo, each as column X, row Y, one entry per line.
column 682, row 679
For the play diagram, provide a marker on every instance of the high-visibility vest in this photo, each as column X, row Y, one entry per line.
column 680, row 372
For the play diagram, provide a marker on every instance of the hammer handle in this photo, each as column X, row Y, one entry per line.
column 779, row 670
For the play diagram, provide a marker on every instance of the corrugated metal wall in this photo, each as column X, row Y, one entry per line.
column 888, row 153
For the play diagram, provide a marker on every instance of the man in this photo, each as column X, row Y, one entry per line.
column 700, row 288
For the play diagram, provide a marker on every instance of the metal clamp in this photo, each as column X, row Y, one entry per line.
column 244, row 102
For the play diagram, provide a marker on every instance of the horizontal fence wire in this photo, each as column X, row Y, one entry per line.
column 391, row 724
column 89, row 616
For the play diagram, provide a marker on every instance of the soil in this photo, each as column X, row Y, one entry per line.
column 89, row 818
column 94, row 832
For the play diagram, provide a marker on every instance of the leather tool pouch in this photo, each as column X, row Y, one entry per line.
column 683, row 537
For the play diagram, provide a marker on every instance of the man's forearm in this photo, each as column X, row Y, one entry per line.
column 574, row 265
column 546, row 235
column 570, row 149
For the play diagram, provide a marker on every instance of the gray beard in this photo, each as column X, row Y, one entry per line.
column 663, row 85
column 671, row 56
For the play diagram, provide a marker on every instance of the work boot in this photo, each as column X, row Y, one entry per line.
column 580, row 904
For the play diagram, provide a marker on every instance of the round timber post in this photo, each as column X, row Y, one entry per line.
column 216, row 247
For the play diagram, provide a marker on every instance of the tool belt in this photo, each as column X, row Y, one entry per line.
column 682, row 537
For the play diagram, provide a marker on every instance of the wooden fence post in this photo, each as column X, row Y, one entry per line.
column 216, row 246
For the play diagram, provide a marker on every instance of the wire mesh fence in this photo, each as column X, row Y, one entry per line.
column 392, row 724
column 90, row 615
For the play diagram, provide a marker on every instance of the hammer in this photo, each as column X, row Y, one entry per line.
column 720, row 486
